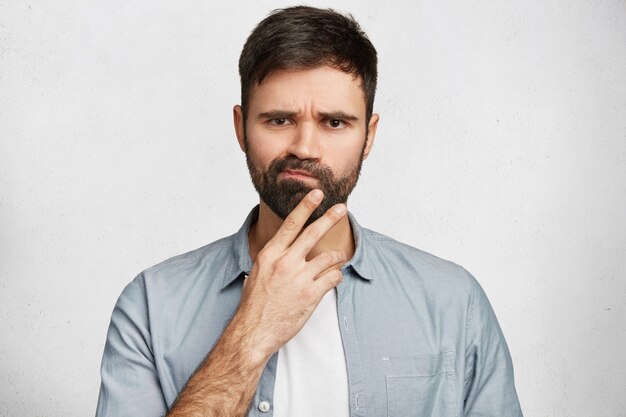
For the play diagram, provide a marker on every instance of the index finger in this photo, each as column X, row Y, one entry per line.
column 312, row 234
column 289, row 230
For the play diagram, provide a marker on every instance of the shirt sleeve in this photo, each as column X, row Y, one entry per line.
column 130, row 385
column 489, row 388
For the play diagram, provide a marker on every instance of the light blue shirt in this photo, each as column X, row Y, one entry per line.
column 419, row 335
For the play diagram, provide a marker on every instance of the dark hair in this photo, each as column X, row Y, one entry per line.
column 304, row 37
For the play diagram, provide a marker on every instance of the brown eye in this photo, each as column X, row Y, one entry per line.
column 335, row 123
column 279, row 122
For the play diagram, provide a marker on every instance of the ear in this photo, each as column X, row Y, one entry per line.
column 371, row 134
column 239, row 126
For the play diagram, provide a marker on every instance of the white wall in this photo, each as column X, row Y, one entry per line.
column 501, row 147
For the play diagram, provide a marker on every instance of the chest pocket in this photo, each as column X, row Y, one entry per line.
column 421, row 385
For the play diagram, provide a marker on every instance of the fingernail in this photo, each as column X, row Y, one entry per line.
column 340, row 209
column 316, row 196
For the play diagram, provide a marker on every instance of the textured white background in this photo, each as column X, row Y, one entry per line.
column 502, row 146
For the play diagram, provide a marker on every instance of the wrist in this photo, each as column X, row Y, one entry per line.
column 239, row 337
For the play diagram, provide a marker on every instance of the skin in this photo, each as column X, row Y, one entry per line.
column 294, row 266
column 313, row 120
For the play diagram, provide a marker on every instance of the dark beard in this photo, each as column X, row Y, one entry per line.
column 284, row 195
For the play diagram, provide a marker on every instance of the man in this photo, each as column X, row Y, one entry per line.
column 302, row 312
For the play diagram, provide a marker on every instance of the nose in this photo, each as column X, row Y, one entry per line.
column 305, row 143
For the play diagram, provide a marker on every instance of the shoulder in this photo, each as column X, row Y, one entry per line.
column 202, row 266
column 193, row 258
column 412, row 264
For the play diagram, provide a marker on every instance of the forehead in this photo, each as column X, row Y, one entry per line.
column 323, row 88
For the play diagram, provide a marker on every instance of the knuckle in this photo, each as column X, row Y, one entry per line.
column 309, row 204
column 336, row 277
column 331, row 258
column 314, row 233
column 282, row 266
column 331, row 215
column 262, row 257
column 339, row 256
column 326, row 258
column 307, row 293
column 290, row 223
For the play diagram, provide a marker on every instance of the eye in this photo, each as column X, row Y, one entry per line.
column 281, row 121
column 336, row 123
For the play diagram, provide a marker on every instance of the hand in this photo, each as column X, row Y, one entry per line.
column 284, row 289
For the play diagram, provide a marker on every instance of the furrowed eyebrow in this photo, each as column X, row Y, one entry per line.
column 284, row 114
column 338, row 115
column 276, row 114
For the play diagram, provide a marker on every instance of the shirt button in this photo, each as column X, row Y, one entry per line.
column 264, row 406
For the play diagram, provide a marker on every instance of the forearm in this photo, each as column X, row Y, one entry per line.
column 224, row 384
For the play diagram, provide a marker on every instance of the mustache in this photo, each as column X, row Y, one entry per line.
column 292, row 163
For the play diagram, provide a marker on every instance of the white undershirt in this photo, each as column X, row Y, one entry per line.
column 311, row 376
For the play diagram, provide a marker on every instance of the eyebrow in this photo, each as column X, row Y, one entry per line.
column 276, row 114
column 284, row 114
column 338, row 115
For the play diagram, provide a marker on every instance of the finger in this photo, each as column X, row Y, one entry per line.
column 316, row 230
column 323, row 262
column 327, row 282
column 292, row 225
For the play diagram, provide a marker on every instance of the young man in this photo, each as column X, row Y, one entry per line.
column 303, row 312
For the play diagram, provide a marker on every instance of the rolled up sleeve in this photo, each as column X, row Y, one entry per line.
column 130, row 385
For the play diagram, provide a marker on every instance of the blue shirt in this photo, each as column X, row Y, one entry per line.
column 419, row 335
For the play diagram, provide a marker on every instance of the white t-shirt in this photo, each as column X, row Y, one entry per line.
column 311, row 376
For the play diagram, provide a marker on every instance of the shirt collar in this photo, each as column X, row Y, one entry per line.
column 240, row 262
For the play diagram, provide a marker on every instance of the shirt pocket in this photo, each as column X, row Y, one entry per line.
column 421, row 385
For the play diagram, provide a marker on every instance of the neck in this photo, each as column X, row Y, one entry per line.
column 339, row 237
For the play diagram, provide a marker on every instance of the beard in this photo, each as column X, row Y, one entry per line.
column 282, row 196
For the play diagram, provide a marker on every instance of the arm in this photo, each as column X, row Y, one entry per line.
column 278, row 297
column 489, row 388
column 130, row 385
column 225, row 382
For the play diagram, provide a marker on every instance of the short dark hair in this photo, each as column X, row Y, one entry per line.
column 304, row 37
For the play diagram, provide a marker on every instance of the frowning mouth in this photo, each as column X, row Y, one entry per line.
column 297, row 173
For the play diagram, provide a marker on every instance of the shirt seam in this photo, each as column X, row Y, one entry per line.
column 468, row 327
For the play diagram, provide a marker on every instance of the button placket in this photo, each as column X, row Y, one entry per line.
column 351, row 347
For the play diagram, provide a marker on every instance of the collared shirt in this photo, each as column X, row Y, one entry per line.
column 419, row 335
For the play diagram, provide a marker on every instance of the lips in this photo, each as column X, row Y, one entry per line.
column 298, row 173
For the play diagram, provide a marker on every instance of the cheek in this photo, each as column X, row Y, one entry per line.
column 261, row 152
column 262, row 156
column 345, row 165
column 257, row 160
